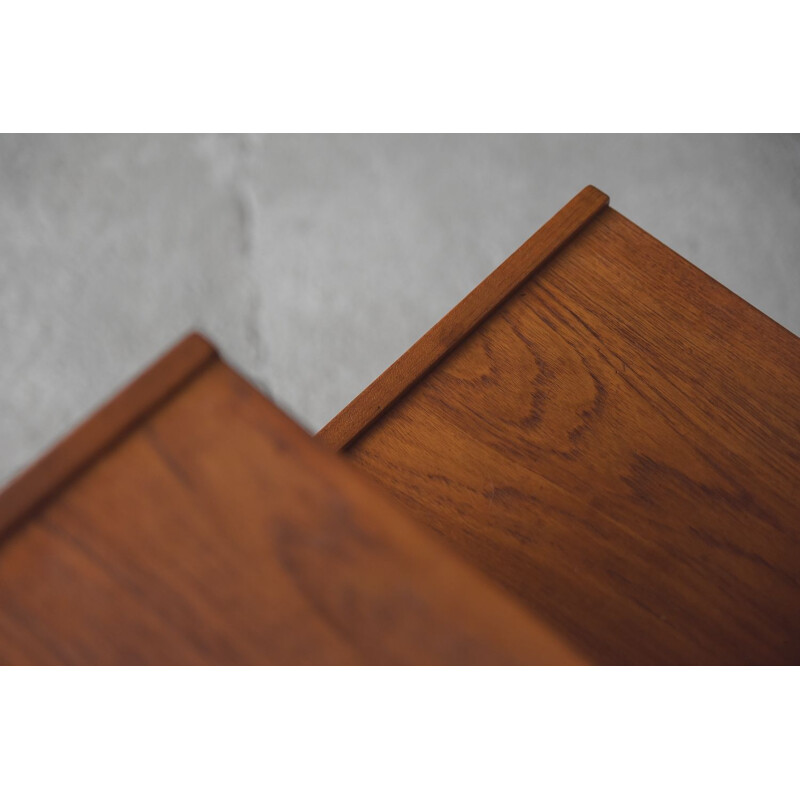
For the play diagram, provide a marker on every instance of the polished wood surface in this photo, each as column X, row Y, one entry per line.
column 204, row 526
column 418, row 360
column 618, row 444
column 88, row 441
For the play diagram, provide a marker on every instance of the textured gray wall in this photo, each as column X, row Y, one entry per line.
column 314, row 261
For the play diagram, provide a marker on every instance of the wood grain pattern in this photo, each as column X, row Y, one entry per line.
column 619, row 445
column 416, row 362
column 217, row 531
column 88, row 441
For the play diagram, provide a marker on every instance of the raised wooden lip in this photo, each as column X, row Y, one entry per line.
column 460, row 321
column 103, row 428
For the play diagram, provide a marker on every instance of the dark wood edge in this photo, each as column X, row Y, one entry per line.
column 106, row 426
column 458, row 323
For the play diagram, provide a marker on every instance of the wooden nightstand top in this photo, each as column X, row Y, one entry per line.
column 612, row 435
column 190, row 521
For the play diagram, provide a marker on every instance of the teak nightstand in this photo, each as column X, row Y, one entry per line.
column 613, row 436
column 594, row 457
column 190, row 521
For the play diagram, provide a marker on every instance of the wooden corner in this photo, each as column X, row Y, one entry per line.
column 417, row 361
column 105, row 427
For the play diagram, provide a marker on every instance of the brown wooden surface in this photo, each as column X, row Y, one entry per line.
column 88, row 441
column 418, row 360
column 619, row 445
column 216, row 531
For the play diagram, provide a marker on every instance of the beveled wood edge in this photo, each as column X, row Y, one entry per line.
column 460, row 321
column 76, row 451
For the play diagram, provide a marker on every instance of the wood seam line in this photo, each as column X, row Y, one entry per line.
column 103, row 429
column 458, row 323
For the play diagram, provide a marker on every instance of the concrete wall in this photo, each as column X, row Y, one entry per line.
column 314, row 261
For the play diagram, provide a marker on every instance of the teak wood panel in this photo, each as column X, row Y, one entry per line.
column 619, row 445
column 102, row 429
column 209, row 528
column 450, row 331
